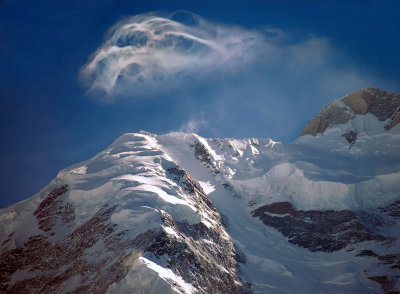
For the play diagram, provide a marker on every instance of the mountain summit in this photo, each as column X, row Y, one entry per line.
column 384, row 106
column 179, row 213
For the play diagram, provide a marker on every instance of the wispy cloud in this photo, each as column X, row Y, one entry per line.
column 193, row 125
column 231, row 78
column 147, row 54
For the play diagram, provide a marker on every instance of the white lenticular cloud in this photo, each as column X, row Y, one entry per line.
column 221, row 74
column 146, row 54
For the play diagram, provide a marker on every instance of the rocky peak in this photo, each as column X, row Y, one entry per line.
column 385, row 106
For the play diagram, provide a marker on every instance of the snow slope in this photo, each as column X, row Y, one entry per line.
column 130, row 210
column 258, row 171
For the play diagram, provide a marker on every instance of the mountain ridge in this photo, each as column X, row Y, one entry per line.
column 179, row 213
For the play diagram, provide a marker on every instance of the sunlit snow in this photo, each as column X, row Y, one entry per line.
column 207, row 187
column 168, row 275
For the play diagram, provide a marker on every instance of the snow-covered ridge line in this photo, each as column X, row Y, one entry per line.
column 261, row 171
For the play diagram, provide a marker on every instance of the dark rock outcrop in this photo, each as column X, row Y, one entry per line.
column 201, row 153
column 52, row 209
column 326, row 230
column 350, row 136
column 386, row 283
column 392, row 210
column 335, row 230
column 393, row 260
column 366, row 252
column 49, row 266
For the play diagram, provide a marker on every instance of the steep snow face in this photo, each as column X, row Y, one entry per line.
column 128, row 220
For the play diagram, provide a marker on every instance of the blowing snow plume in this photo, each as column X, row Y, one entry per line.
column 147, row 54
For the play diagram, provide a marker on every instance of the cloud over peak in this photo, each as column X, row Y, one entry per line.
column 222, row 77
column 147, row 53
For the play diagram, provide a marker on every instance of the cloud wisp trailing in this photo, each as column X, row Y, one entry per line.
column 227, row 80
column 147, row 54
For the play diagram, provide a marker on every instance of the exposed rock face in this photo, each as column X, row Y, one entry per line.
column 386, row 283
column 392, row 210
column 326, row 230
column 392, row 260
column 204, row 156
column 197, row 263
column 350, row 136
column 200, row 262
column 52, row 209
column 332, row 114
column 367, row 252
column 383, row 105
column 45, row 266
column 330, row 231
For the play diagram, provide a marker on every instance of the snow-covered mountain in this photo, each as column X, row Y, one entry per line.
column 178, row 213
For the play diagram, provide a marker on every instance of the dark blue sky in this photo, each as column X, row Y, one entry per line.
column 314, row 51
